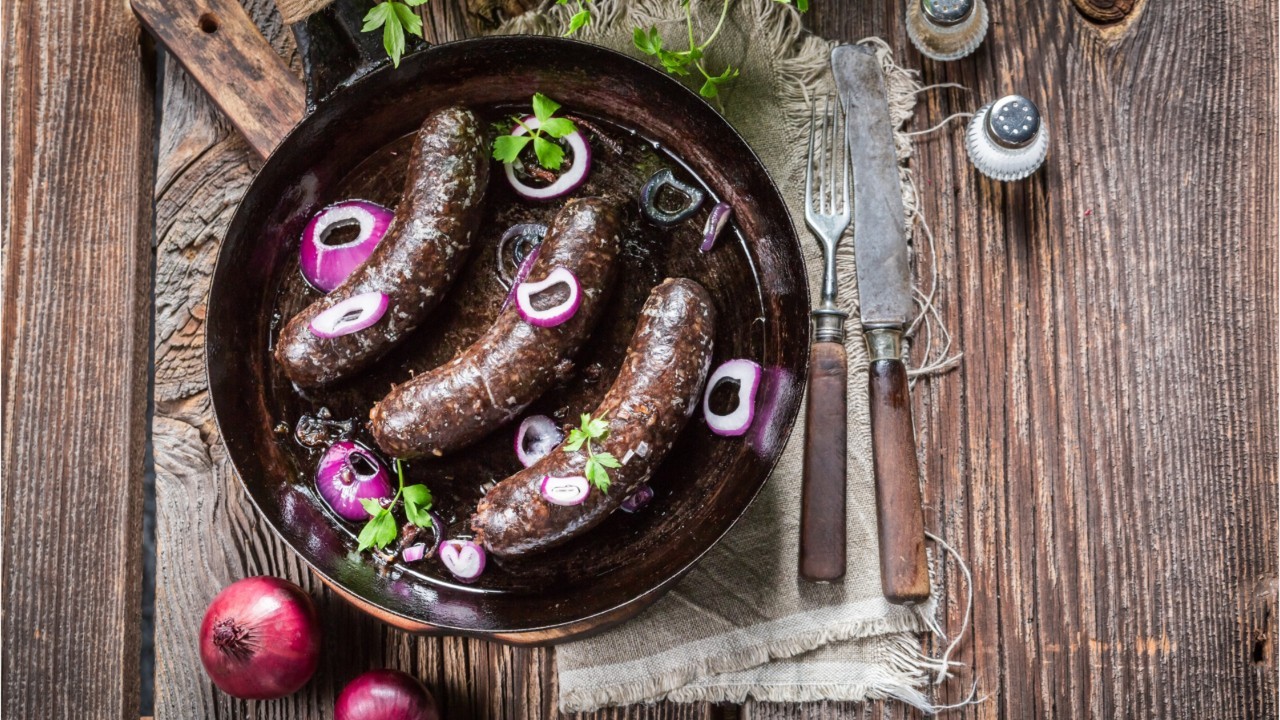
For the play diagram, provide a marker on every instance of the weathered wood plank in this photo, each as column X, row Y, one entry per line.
column 1105, row 460
column 76, row 256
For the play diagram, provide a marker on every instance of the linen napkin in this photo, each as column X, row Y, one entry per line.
column 741, row 624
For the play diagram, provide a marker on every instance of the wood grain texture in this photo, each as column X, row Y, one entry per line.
column 77, row 159
column 224, row 52
column 904, row 567
column 823, row 540
column 1106, row 458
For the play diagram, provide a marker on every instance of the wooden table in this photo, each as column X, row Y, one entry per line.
column 1106, row 458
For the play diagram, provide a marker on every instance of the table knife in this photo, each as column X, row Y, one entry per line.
column 885, row 307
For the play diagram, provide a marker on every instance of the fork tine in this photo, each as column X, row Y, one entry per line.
column 824, row 183
column 808, row 171
column 848, row 165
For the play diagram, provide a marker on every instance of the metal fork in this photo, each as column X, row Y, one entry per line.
column 827, row 213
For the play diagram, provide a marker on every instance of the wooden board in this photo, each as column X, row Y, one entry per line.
column 77, row 161
column 1106, row 458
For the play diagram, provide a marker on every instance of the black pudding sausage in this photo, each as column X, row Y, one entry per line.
column 416, row 261
column 513, row 363
column 649, row 404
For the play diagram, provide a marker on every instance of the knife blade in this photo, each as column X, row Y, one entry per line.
column 879, row 233
column 884, row 302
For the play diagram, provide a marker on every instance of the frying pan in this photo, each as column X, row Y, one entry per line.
column 357, row 108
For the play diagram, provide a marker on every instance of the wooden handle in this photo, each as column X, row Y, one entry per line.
column 822, row 523
column 218, row 44
column 904, row 570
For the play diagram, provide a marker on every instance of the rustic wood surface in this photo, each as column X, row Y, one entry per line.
column 1106, row 458
column 77, row 174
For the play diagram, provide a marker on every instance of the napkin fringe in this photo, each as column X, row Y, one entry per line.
column 907, row 669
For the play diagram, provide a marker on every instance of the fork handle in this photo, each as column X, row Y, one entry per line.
column 822, row 496
column 904, row 571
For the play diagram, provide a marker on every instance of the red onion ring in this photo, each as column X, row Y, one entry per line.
column 521, row 275
column 351, row 315
column 554, row 315
column 566, row 491
column 414, row 552
column 540, row 435
column 349, row 473
column 519, row 230
column 747, row 373
column 464, row 559
column 716, row 221
column 326, row 266
column 568, row 181
column 637, row 500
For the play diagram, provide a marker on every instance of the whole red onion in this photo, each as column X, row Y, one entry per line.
column 385, row 695
column 260, row 638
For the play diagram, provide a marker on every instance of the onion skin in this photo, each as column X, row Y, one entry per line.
column 342, row 487
column 385, row 695
column 538, row 424
column 260, row 638
column 716, row 220
column 324, row 266
column 552, row 316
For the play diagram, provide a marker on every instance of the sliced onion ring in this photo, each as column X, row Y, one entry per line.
column 747, row 373
column 716, row 221
column 567, row 491
column 637, row 500
column 463, row 558
column 537, row 437
column 351, row 315
column 414, row 552
column 521, row 275
column 517, row 232
column 326, row 266
column 557, row 314
column 649, row 199
column 568, row 181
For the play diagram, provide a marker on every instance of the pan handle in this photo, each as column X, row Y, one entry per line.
column 222, row 49
column 334, row 50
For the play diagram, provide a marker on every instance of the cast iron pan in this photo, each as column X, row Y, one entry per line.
column 360, row 112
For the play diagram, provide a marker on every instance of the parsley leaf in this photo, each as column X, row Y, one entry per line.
column 506, row 148
column 378, row 532
column 579, row 19
column 417, row 501
column 649, row 42
column 711, row 88
column 544, row 107
column 395, row 18
column 550, row 155
column 598, row 463
column 381, row 529
column 558, row 127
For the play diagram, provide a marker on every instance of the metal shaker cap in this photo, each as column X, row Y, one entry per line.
column 1013, row 121
column 947, row 12
column 946, row 29
column 1007, row 139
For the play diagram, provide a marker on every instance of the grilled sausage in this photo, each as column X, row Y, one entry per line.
column 414, row 264
column 647, row 407
column 514, row 362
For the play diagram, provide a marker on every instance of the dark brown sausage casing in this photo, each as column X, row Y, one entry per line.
column 649, row 404
column 416, row 261
column 494, row 379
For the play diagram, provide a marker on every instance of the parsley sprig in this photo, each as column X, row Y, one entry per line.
column 507, row 148
column 395, row 18
column 382, row 529
column 598, row 463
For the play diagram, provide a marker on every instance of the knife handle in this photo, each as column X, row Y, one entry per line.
column 822, row 497
column 904, row 570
